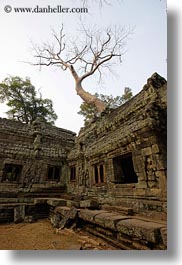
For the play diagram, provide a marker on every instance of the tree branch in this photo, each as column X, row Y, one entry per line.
column 83, row 59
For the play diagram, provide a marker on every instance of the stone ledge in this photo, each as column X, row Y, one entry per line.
column 57, row 202
column 140, row 229
column 119, row 210
column 89, row 215
column 109, row 220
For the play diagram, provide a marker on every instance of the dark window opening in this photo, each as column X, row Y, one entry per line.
column 124, row 170
column 101, row 169
column 53, row 173
column 99, row 174
column 50, row 173
column 73, row 174
column 96, row 173
column 11, row 173
column 57, row 173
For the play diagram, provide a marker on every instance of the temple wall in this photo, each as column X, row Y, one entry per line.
column 33, row 154
column 120, row 159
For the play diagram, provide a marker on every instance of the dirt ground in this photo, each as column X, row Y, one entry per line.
column 42, row 236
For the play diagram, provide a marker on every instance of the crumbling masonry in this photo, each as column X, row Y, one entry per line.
column 116, row 165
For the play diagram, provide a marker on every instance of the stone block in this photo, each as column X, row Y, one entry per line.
column 153, row 139
column 152, row 184
column 40, row 201
column 155, row 148
column 70, row 215
column 126, row 210
column 140, row 229
column 109, row 220
column 88, row 215
column 160, row 162
column 56, row 202
column 55, row 220
column 70, row 203
column 78, row 197
column 89, row 204
column 161, row 174
column 140, row 191
column 62, row 210
column 146, row 151
column 153, row 192
column 29, row 219
column 139, row 246
column 19, row 213
column 164, row 235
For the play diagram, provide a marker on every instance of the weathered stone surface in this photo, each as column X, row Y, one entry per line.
column 78, row 197
column 55, row 220
column 136, row 129
column 57, row 202
column 40, row 201
column 139, row 246
column 140, row 229
column 119, row 209
column 109, row 220
column 164, row 235
column 29, row 219
column 89, row 215
column 19, row 213
column 70, row 203
column 33, row 149
column 147, row 151
column 63, row 216
column 124, row 231
column 155, row 148
column 71, row 215
column 89, row 204
column 63, row 210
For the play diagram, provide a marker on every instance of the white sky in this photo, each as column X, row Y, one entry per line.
column 146, row 49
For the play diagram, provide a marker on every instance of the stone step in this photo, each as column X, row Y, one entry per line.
column 145, row 233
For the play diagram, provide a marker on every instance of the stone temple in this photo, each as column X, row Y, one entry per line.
column 110, row 180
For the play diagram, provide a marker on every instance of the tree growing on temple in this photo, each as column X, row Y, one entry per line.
column 94, row 52
column 89, row 112
column 24, row 102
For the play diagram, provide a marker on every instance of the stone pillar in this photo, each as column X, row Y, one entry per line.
column 19, row 213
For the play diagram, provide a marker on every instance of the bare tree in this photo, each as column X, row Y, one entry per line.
column 85, row 57
column 99, row 2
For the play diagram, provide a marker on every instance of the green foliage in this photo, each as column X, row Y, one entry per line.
column 24, row 102
column 90, row 112
column 127, row 95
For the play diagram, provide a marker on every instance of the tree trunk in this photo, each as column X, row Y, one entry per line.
column 86, row 96
column 89, row 98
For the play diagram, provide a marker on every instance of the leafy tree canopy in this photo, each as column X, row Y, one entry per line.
column 24, row 102
column 90, row 112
